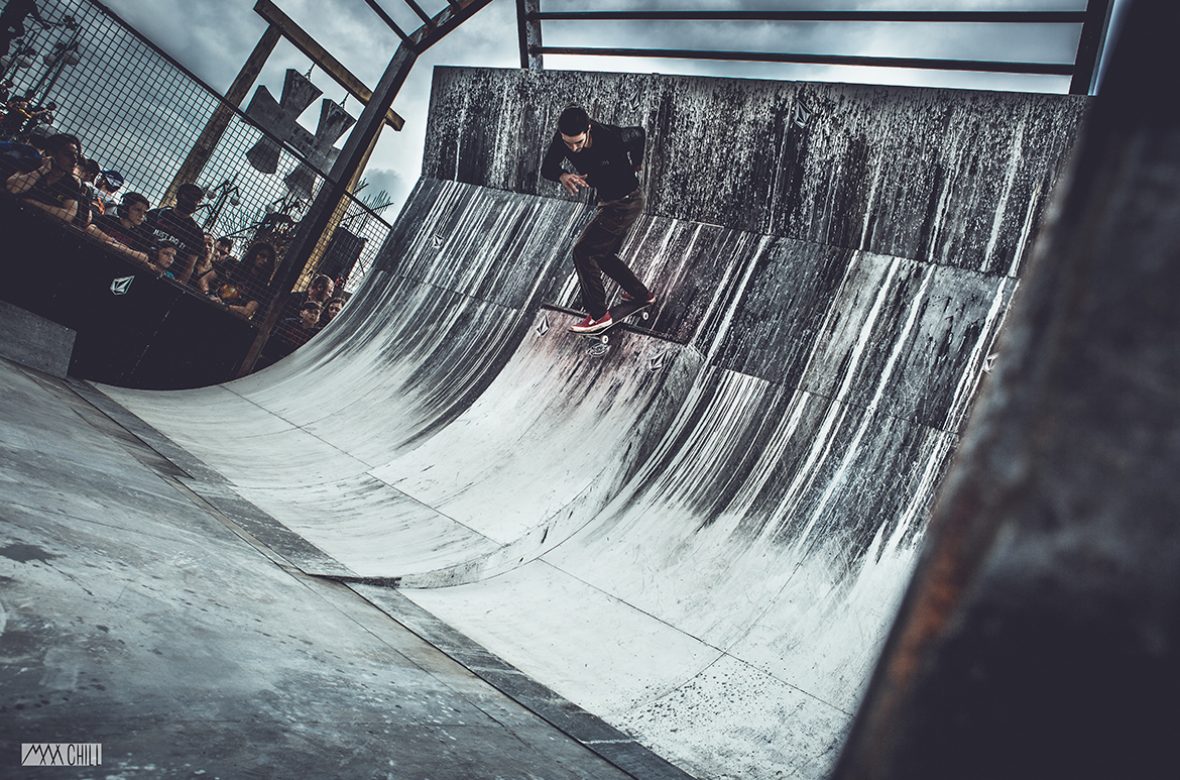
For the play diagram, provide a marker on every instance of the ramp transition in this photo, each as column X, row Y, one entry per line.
column 699, row 538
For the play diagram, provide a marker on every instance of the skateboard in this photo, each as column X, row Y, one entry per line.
column 618, row 313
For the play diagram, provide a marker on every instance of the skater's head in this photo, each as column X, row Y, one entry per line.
column 574, row 126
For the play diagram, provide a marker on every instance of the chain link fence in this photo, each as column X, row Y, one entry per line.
column 138, row 114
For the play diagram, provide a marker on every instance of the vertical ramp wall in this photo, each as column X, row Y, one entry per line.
column 728, row 604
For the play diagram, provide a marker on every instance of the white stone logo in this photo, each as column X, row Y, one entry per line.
column 121, row 285
column 61, row 754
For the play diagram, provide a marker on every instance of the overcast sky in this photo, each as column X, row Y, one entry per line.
column 213, row 37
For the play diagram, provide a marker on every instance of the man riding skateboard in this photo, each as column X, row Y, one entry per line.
column 606, row 158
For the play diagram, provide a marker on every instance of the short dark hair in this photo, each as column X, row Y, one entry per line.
column 90, row 166
column 573, row 121
column 310, row 305
column 189, row 193
column 131, row 198
column 56, row 142
column 226, row 241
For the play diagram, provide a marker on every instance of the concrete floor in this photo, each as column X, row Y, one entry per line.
column 136, row 615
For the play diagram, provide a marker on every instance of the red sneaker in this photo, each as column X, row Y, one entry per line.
column 591, row 325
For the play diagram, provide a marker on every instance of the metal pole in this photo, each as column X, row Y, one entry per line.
column 203, row 148
column 1090, row 46
column 313, row 228
column 1050, row 69
column 529, row 28
column 312, row 234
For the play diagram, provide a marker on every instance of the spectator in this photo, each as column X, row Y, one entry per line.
column 107, row 184
column 162, row 257
column 223, row 252
column 320, row 290
column 331, row 310
column 17, row 112
column 204, row 265
column 246, row 285
column 52, row 187
column 87, row 171
column 6, row 86
column 298, row 330
column 16, row 157
column 123, row 228
column 223, row 266
column 177, row 226
column 41, row 115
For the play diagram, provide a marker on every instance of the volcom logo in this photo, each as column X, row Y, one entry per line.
column 121, row 285
column 803, row 112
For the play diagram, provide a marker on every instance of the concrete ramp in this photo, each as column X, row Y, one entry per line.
column 700, row 536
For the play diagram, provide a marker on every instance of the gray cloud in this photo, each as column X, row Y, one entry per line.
column 213, row 38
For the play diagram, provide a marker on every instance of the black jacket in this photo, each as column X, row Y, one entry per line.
column 609, row 165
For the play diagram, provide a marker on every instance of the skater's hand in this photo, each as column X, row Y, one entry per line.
column 572, row 183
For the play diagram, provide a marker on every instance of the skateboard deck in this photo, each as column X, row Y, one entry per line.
column 618, row 313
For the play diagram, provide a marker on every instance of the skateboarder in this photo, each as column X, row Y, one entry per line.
column 606, row 158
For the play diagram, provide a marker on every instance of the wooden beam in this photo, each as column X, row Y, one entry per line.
column 190, row 170
column 385, row 17
column 320, row 56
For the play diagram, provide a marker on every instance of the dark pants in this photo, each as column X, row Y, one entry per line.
column 596, row 252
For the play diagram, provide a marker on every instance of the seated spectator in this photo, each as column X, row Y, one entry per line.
column 107, row 184
column 331, row 310
column 87, row 171
column 52, row 187
column 177, row 226
column 123, row 228
column 245, row 287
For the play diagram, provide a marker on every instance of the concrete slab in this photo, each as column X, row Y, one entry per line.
column 135, row 615
column 35, row 341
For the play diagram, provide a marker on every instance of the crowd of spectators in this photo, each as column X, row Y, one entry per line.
column 50, row 173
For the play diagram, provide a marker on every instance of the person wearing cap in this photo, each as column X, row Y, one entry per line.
column 52, row 187
column 176, row 225
column 107, row 184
